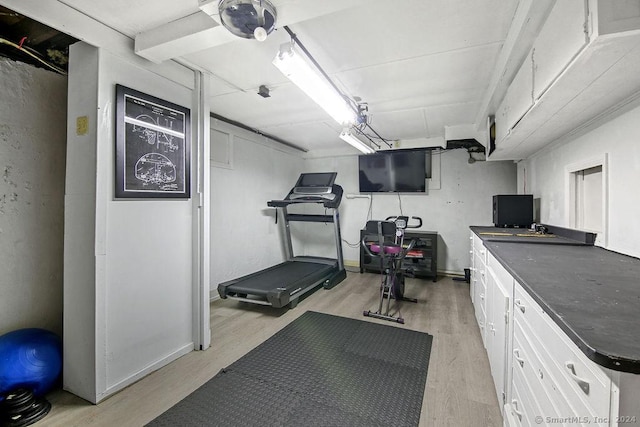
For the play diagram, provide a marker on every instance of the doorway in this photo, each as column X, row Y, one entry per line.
column 588, row 195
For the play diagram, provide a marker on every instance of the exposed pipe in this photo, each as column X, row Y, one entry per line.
column 256, row 131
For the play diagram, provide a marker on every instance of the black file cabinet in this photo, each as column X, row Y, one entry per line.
column 422, row 259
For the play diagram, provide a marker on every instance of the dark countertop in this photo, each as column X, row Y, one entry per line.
column 522, row 235
column 591, row 293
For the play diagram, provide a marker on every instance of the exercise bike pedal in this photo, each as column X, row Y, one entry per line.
column 378, row 315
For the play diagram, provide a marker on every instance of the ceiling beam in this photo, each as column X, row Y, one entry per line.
column 180, row 37
column 203, row 30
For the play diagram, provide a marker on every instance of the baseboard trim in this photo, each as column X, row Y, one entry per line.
column 187, row 348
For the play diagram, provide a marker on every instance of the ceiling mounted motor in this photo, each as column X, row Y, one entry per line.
column 249, row 19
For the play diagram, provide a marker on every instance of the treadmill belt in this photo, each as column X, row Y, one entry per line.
column 285, row 275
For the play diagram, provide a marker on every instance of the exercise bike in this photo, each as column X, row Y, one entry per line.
column 390, row 249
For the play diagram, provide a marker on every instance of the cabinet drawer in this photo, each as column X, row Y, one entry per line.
column 480, row 269
column 522, row 407
column 501, row 274
column 472, row 290
column 542, row 384
column 479, row 308
column 480, row 317
column 479, row 249
column 481, row 294
column 582, row 381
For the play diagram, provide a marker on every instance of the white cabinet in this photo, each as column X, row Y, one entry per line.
column 586, row 50
column 492, row 293
column 540, row 375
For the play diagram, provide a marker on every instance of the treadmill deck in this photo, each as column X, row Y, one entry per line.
column 280, row 284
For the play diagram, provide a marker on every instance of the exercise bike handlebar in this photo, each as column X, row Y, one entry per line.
column 406, row 220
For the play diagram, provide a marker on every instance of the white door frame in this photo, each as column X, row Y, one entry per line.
column 570, row 193
column 201, row 215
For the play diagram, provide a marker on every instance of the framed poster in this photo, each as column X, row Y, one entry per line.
column 152, row 147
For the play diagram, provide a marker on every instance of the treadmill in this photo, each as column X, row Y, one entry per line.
column 283, row 284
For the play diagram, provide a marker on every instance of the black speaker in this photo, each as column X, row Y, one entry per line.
column 513, row 210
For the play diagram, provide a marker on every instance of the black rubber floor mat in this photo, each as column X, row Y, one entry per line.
column 319, row 370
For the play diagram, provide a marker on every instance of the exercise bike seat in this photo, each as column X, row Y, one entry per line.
column 389, row 249
column 385, row 233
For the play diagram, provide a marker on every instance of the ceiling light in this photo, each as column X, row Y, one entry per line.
column 293, row 65
column 349, row 138
column 260, row 34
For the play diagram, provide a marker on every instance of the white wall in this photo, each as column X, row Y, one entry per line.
column 244, row 235
column 32, row 165
column 245, row 238
column 545, row 176
column 128, row 265
column 462, row 198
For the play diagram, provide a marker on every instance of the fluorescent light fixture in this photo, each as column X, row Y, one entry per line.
column 350, row 139
column 293, row 65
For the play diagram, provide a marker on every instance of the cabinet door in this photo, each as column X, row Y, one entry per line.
column 516, row 103
column 472, row 270
column 496, row 331
column 618, row 16
column 480, row 306
column 481, row 299
column 561, row 39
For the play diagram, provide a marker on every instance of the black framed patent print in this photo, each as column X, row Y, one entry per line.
column 152, row 147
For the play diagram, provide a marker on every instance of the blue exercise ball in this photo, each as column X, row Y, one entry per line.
column 29, row 358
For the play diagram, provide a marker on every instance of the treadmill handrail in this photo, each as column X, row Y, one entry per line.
column 282, row 203
column 309, row 218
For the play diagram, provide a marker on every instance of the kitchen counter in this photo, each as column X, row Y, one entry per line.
column 591, row 293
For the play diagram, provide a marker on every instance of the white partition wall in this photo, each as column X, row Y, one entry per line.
column 128, row 285
column 247, row 170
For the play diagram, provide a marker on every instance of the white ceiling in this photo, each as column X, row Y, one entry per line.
column 421, row 65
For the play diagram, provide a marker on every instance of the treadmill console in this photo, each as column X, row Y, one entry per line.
column 316, row 187
column 315, row 183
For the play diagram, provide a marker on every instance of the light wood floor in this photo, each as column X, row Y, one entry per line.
column 459, row 390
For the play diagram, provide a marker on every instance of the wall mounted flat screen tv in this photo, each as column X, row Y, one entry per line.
column 402, row 171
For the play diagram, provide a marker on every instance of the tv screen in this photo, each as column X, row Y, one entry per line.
column 402, row 171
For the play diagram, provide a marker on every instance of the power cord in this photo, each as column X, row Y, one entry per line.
column 32, row 53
